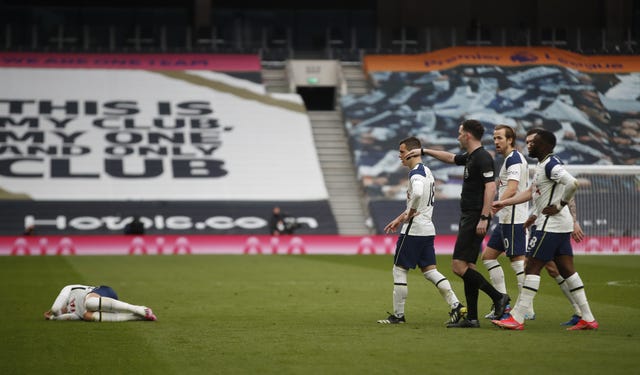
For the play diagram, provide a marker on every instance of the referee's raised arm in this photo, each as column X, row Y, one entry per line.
column 444, row 156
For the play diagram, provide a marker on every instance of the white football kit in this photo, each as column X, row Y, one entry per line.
column 549, row 184
column 420, row 196
column 515, row 167
column 71, row 299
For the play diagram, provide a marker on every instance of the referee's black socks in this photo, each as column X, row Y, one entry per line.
column 476, row 279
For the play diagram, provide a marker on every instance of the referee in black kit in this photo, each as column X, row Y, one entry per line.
column 478, row 191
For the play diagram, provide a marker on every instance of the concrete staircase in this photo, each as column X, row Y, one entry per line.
column 274, row 77
column 357, row 82
column 345, row 194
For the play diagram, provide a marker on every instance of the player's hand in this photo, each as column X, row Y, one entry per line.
column 496, row 206
column 550, row 210
column 391, row 227
column 48, row 314
column 530, row 220
column 481, row 228
column 577, row 234
column 413, row 153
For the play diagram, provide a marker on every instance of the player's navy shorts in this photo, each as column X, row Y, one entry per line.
column 412, row 251
column 468, row 243
column 105, row 291
column 546, row 245
column 509, row 238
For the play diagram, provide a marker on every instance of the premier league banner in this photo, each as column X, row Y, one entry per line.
column 152, row 130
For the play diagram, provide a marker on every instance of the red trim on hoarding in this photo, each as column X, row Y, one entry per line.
column 259, row 244
column 216, row 62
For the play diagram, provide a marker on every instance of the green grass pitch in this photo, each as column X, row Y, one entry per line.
column 299, row 314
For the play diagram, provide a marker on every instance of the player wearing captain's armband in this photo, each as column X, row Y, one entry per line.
column 551, row 190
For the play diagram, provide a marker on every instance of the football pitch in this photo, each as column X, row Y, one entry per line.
column 298, row 314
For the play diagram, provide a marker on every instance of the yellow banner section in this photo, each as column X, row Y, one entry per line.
column 502, row 56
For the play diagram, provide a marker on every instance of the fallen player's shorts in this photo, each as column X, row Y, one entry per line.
column 105, row 291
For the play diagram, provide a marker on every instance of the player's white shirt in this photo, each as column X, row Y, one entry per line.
column 515, row 167
column 547, row 190
column 420, row 195
column 71, row 298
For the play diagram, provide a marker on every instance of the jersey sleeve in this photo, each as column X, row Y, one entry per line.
column 417, row 189
column 460, row 159
column 561, row 176
column 554, row 169
column 67, row 316
column 512, row 165
column 485, row 163
column 418, row 178
column 61, row 300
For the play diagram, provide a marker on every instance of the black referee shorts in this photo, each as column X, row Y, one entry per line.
column 468, row 244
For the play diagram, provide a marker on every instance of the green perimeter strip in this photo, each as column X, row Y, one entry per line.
column 223, row 87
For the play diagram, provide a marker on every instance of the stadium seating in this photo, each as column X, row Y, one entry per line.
column 594, row 114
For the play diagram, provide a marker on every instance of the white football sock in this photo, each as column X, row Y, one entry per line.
column 580, row 297
column 567, row 292
column 400, row 290
column 443, row 285
column 112, row 305
column 100, row 316
column 496, row 274
column 525, row 299
column 518, row 268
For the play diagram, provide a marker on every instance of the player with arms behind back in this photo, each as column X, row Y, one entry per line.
column 415, row 245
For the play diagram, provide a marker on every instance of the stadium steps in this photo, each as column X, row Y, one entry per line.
column 345, row 194
column 357, row 83
column 274, row 77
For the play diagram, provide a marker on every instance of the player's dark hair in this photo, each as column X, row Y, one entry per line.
column 474, row 127
column 533, row 131
column 547, row 137
column 411, row 143
column 508, row 133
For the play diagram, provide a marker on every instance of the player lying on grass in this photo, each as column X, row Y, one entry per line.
column 95, row 304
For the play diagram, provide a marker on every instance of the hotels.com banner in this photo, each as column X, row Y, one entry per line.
column 500, row 56
column 264, row 245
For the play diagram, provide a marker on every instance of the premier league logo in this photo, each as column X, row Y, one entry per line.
column 524, row 57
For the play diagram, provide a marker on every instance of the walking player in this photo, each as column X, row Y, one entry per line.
column 415, row 243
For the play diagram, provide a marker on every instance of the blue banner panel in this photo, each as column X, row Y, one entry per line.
column 162, row 217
